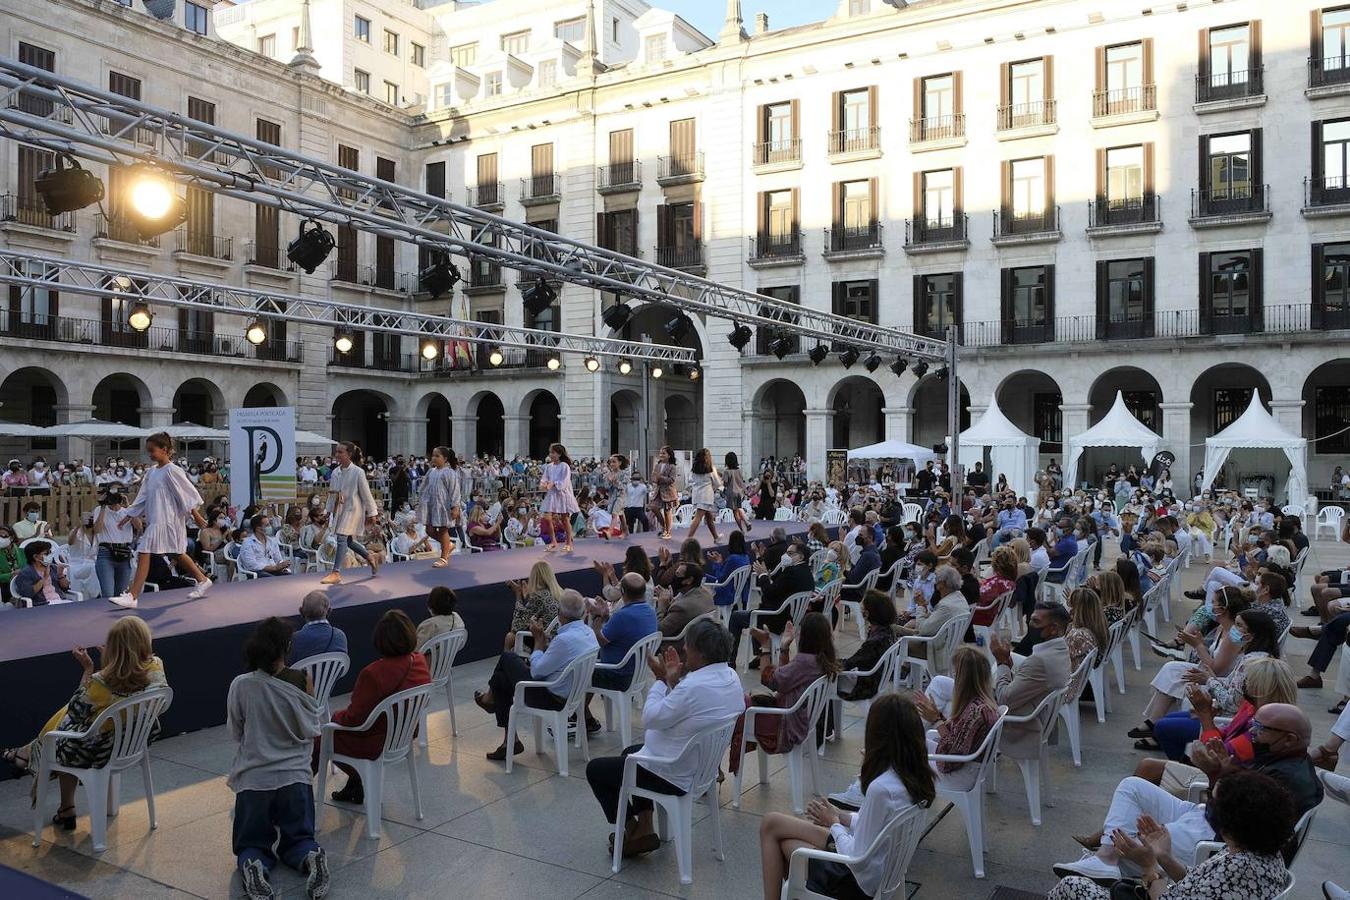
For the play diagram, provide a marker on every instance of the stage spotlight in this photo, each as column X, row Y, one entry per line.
column 153, row 207
column 538, row 297
column 941, row 374
column 554, row 363
column 256, row 332
column 920, row 369
column 872, row 363
column 740, row 336
column 818, row 354
column 430, row 349
column 311, row 247
column 678, row 327
column 496, row 357
column 780, row 346
column 343, row 342
column 849, row 357
column 592, row 364
column 899, row 366
column 657, row 371
column 695, row 373
column 625, row 366
column 439, row 277
column 65, row 190
column 140, row 316
column 617, row 316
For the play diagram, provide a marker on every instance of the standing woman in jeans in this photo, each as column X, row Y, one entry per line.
column 114, row 533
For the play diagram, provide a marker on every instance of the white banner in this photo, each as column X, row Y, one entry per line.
column 262, row 455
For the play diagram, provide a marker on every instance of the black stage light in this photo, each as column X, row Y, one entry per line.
column 872, row 363
column 920, row 369
column 538, row 297
column 311, row 247
column 899, row 366
column 941, row 374
column 65, row 190
column 617, row 316
column 849, row 357
column 818, row 354
column 439, row 277
column 740, row 336
column 678, row 327
column 780, row 346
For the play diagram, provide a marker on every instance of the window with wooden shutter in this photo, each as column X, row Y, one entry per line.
column 542, row 182
column 385, row 170
column 682, row 146
column 1330, row 46
column 621, row 167
column 434, row 176
column 1229, row 62
column 487, row 180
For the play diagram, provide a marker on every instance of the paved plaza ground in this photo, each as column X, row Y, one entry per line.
column 535, row 834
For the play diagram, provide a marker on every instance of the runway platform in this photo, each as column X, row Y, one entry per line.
column 201, row 641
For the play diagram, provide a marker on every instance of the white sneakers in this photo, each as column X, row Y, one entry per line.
column 124, row 600
column 851, row 799
column 1090, row 866
column 200, row 590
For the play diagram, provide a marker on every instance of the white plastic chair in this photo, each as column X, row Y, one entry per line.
column 402, row 713
column 883, row 672
column 326, row 669
column 677, row 640
column 1101, row 690
column 833, row 516
column 739, row 582
column 783, row 514
column 441, row 651
column 521, row 648
column 970, row 802
column 684, row 514
column 1036, row 771
column 938, row 662
column 707, row 747
column 579, row 671
column 621, row 701
column 814, row 700
column 897, row 842
column 1049, row 591
column 911, row 512
column 999, row 606
column 1330, row 518
column 816, row 561
column 854, row 607
column 1068, row 710
column 982, row 555
column 132, row 722
column 795, row 606
column 1205, row 849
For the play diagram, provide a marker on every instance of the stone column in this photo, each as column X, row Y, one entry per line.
column 156, row 416
column 1177, row 438
column 516, row 435
column 462, row 431
column 899, row 420
column 404, row 435
column 76, row 448
column 818, row 423
column 1073, row 422
column 1288, row 413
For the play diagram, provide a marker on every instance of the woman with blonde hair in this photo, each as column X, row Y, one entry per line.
column 129, row 666
column 536, row 597
column 1088, row 630
column 1110, row 587
column 832, row 569
column 961, row 709
column 1022, row 548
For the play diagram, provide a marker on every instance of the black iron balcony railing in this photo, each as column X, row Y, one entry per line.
column 348, row 271
column 485, row 275
column 619, row 176
column 442, row 366
column 1124, row 100
column 490, row 194
column 167, row 338
column 1010, row 223
column 854, row 140
column 267, row 254
column 203, row 243
column 937, row 128
column 938, row 230
column 1330, row 190
column 1328, row 71
column 1230, row 200
column 117, row 228
column 766, row 246
column 538, row 187
column 1228, row 85
column 688, row 256
column 1026, row 115
column 685, row 165
column 1141, row 210
column 767, row 153
column 844, row 238
column 32, row 211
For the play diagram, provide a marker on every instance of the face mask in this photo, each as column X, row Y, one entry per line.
column 39, row 466
column 316, row 503
column 921, row 570
column 32, row 517
column 269, row 531
column 831, row 556
column 40, row 560
column 1235, row 635
column 221, row 523
column 5, row 542
column 1261, row 754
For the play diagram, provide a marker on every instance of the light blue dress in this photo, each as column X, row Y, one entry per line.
column 440, row 492
column 560, row 499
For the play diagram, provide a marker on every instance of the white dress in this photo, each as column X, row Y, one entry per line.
column 166, row 499
column 350, row 502
column 703, row 490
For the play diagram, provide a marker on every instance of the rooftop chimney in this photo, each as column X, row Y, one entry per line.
column 761, row 23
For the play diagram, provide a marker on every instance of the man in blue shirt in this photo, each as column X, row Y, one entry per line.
column 1064, row 549
column 1012, row 522
column 316, row 635
column 616, row 632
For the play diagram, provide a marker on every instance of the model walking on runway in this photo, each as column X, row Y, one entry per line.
column 351, row 508
column 164, row 503
column 667, row 497
column 560, row 504
column 440, row 494
column 733, row 487
column 704, row 483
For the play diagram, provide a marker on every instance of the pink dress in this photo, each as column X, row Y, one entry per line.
column 559, row 500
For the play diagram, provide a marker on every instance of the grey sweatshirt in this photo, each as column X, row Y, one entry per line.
column 275, row 724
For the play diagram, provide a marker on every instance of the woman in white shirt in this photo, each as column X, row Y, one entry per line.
column 895, row 776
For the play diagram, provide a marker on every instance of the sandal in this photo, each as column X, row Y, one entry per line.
column 1337, row 709
column 440, row 564
column 1147, row 744
column 1144, row 731
column 66, row 822
column 21, row 766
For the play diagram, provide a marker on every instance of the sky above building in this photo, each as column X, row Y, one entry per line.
column 707, row 15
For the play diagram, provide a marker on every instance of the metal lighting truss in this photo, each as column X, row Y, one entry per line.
column 18, row 268
column 94, row 124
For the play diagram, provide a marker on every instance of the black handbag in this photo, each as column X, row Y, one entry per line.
column 119, row 553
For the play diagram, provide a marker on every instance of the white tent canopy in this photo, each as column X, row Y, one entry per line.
column 187, row 431
column 1012, row 452
column 19, row 429
column 97, row 430
column 310, row 439
column 1257, row 429
column 893, row 450
column 1118, row 429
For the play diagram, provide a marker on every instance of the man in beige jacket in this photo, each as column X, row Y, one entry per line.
column 1023, row 686
column 687, row 599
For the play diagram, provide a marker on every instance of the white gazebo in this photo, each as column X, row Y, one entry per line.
column 1118, row 429
column 1257, row 429
column 893, row 450
column 1012, row 451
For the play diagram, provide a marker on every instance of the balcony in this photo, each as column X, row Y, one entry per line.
column 347, row 271
column 854, row 143
column 937, row 235
column 1024, row 120
column 937, row 133
column 1032, row 227
column 1124, row 215
column 776, row 156
column 404, row 364
column 159, row 338
column 769, row 250
column 32, row 212
column 387, row 279
column 489, row 196
column 484, row 278
column 204, row 244
column 1228, row 205
column 267, row 255
column 1219, row 91
column 688, row 257
column 1325, row 198
column 854, row 242
column 122, row 231
column 539, row 189
column 1328, row 77
column 683, row 169
column 1124, row 105
column 619, row 178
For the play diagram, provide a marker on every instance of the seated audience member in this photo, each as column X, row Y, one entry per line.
column 536, row 597
column 1040, row 555
column 1021, row 687
column 12, row 560
column 930, row 618
column 128, row 665
column 963, row 560
column 164, row 572
column 1329, row 638
column 317, row 635
column 720, row 569
column 261, row 552
column 1251, row 813
column 274, row 718
column 43, row 581
column 1088, row 631
column 1327, row 754
column 399, row 668
column 1064, row 549
column 1110, row 589
column 878, row 613
column 831, row 567
column 483, row 534
column 962, row 710
column 635, row 559
column 616, row 631
column 1280, row 738
column 895, row 776
column 551, row 655
column 1001, row 581
column 31, row 525
column 687, row 697
column 1272, row 598
column 443, row 618
column 775, row 589
column 407, row 542
column 687, row 598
